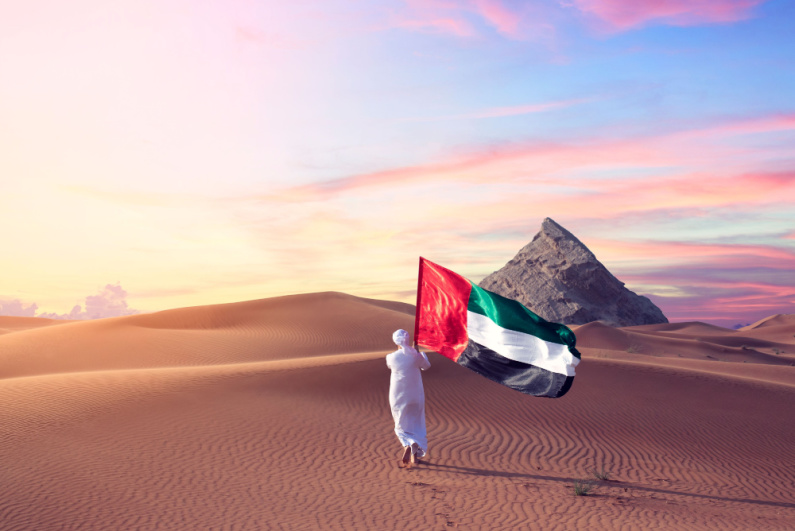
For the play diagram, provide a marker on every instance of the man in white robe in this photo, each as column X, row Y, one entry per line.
column 407, row 397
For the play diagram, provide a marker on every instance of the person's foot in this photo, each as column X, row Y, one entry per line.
column 405, row 460
column 415, row 454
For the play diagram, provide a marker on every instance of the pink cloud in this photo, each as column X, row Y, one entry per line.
column 719, row 179
column 624, row 15
column 693, row 190
column 17, row 308
column 748, row 126
column 745, row 255
column 504, row 20
column 716, row 292
column 435, row 16
column 535, row 20
column 719, row 283
column 538, row 163
column 521, row 20
column 111, row 301
column 735, row 307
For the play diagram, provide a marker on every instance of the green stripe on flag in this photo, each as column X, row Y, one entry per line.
column 512, row 315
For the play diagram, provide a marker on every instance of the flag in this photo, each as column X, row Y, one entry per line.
column 496, row 337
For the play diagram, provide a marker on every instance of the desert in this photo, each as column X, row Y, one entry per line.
column 272, row 414
column 397, row 264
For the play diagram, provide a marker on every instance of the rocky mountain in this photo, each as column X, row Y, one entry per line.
column 560, row 279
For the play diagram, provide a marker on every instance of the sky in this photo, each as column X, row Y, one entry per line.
column 171, row 153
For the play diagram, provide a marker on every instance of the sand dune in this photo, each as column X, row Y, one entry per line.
column 690, row 340
column 15, row 324
column 273, row 414
column 775, row 328
column 317, row 324
column 774, row 320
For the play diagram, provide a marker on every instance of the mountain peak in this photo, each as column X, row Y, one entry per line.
column 560, row 279
column 549, row 225
column 564, row 240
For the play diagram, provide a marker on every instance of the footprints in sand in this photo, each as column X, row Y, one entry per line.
column 438, row 494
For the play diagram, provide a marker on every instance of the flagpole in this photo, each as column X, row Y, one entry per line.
column 419, row 300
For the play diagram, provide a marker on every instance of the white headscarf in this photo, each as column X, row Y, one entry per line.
column 401, row 338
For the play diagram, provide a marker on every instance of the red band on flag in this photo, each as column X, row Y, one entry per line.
column 442, row 300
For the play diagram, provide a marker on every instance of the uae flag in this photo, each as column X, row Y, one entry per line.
column 494, row 336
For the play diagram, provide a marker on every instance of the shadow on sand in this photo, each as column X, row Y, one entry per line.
column 610, row 483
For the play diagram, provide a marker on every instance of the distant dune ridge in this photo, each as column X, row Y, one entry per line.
column 273, row 414
column 560, row 279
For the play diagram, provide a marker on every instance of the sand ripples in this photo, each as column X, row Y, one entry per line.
column 224, row 433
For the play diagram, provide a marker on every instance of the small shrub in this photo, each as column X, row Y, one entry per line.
column 583, row 487
column 776, row 351
column 601, row 474
column 633, row 349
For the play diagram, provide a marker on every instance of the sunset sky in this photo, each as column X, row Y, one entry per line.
column 172, row 153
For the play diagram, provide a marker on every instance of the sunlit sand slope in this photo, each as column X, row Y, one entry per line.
column 268, row 329
column 16, row 324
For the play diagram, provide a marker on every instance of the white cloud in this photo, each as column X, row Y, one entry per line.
column 17, row 308
column 111, row 301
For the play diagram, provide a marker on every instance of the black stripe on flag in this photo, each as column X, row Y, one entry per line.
column 523, row 377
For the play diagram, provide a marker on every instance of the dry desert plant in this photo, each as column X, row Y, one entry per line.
column 583, row 487
column 601, row 474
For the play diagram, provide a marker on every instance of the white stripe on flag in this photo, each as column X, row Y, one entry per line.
column 521, row 347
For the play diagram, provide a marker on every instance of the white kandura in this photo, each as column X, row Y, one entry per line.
column 406, row 394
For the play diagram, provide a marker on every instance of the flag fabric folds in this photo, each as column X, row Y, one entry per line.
column 496, row 337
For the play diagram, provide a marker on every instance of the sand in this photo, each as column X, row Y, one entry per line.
column 15, row 324
column 273, row 414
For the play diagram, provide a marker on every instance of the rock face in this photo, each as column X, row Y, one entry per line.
column 557, row 277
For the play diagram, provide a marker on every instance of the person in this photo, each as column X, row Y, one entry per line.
column 407, row 398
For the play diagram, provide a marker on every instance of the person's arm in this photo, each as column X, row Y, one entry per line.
column 422, row 361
